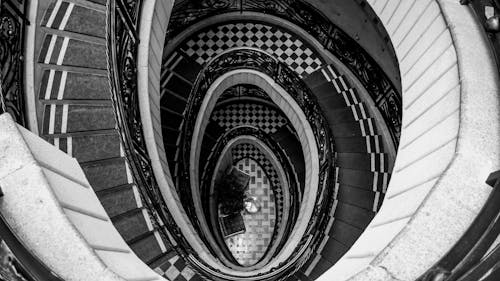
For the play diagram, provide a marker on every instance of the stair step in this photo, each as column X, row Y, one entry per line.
column 81, row 134
column 92, row 148
column 345, row 233
column 315, row 79
column 374, row 162
column 106, row 173
column 364, row 127
column 148, row 248
column 363, row 179
column 77, row 118
column 174, row 104
column 316, row 266
column 98, row 5
column 171, row 120
column 170, row 136
column 77, row 102
column 370, row 144
column 77, row 69
column 70, row 52
column 118, row 201
column 181, row 65
column 100, row 40
column 162, row 262
column 83, row 20
column 334, row 250
column 326, row 91
column 353, row 215
column 366, row 199
column 173, row 84
column 132, row 225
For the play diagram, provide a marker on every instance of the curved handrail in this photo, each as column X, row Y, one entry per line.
column 469, row 259
column 249, row 58
column 122, row 50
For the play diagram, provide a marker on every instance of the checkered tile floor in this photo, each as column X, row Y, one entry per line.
column 249, row 247
column 263, row 117
column 246, row 150
column 278, row 42
column 177, row 270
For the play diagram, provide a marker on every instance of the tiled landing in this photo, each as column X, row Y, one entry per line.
column 249, row 247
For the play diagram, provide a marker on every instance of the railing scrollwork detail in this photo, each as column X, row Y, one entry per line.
column 12, row 30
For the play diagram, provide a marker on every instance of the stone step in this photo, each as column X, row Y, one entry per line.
column 106, row 174
column 65, row 51
column 77, row 118
column 375, row 181
column 73, row 86
column 374, row 162
column 82, row 17
column 149, row 247
column 361, row 128
column 369, row 144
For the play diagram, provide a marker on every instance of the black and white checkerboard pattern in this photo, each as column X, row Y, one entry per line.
column 247, row 150
column 249, row 247
column 263, row 117
column 276, row 41
column 177, row 270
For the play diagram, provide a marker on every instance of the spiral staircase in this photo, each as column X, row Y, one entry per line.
column 287, row 86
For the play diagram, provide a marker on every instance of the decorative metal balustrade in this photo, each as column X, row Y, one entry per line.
column 247, row 58
column 12, row 31
column 332, row 38
column 122, row 47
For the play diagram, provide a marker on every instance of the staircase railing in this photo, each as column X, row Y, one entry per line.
column 122, row 47
column 248, row 58
column 383, row 92
column 12, row 31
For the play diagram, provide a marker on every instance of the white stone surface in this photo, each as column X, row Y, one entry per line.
column 449, row 143
column 58, row 218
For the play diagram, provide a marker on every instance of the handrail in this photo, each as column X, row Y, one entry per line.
column 467, row 257
column 249, row 58
column 122, row 50
column 12, row 32
column 385, row 95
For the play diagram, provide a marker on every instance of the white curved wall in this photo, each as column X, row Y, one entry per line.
column 449, row 141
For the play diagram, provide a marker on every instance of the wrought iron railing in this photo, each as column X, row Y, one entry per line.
column 332, row 38
column 122, row 47
column 12, row 30
column 247, row 58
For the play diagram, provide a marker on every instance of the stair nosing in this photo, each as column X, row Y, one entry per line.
column 74, row 35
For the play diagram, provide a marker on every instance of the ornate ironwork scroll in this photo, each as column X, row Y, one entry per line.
column 349, row 52
column 12, row 29
column 122, row 47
